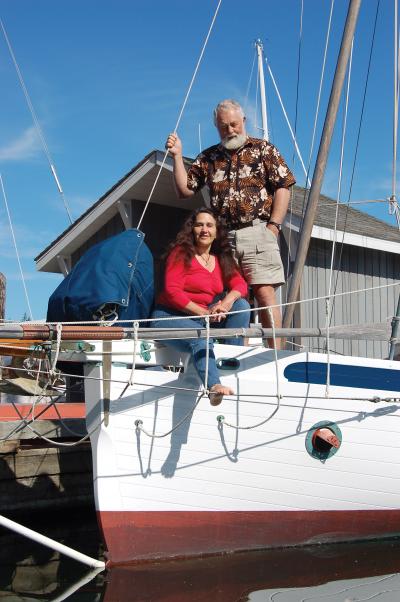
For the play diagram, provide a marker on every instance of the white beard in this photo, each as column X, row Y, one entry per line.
column 234, row 142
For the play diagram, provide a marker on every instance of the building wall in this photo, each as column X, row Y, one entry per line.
column 360, row 268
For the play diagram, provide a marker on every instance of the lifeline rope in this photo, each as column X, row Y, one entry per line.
column 181, row 112
column 139, row 423
column 169, row 387
column 191, row 390
column 221, row 419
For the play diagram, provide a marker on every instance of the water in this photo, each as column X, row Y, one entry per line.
column 335, row 573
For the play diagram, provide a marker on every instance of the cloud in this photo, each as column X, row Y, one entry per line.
column 26, row 146
column 29, row 241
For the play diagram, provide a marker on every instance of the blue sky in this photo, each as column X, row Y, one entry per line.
column 107, row 79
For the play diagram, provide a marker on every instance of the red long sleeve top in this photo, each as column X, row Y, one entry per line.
column 195, row 283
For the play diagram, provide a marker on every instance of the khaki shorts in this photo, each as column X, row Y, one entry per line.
column 256, row 251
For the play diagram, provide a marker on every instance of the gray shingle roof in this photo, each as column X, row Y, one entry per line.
column 349, row 219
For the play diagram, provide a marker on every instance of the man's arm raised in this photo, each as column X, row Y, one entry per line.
column 174, row 145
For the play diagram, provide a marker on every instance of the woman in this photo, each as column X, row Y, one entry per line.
column 201, row 278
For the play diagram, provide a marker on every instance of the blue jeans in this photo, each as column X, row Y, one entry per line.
column 197, row 347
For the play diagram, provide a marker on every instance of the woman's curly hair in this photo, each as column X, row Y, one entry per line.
column 186, row 250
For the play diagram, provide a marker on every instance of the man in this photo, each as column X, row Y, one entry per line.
column 249, row 186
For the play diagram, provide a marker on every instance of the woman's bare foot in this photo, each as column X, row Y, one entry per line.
column 217, row 392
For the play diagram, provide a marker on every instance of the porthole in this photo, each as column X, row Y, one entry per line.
column 323, row 440
column 228, row 363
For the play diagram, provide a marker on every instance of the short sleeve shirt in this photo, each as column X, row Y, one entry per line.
column 241, row 183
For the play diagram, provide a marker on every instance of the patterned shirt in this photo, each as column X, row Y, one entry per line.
column 242, row 183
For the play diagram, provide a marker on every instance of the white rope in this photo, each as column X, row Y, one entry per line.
column 132, row 374
column 56, row 442
column 58, row 346
column 207, row 321
column 221, row 419
column 36, row 122
column 148, row 321
column 111, row 380
column 16, row 247
column 328, row 353
column 181, row 112
column 320, row 86
column 139, row 423
column 272, row 322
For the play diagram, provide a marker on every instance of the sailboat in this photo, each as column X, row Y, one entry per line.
column 304, row 452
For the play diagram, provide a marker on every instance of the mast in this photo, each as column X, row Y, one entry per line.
column 260, row 55
column 322, row 158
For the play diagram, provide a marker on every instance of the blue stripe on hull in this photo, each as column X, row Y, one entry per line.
column 344, row 375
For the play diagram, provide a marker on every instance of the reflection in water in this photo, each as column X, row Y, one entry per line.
column 335, row 572
column 263, row 576
column 30, row 571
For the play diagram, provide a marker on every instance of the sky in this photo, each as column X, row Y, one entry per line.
column 107, row 79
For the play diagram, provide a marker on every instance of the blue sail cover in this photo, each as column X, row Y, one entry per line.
column 116, row 273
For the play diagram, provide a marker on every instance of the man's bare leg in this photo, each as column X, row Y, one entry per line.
column 265, row 295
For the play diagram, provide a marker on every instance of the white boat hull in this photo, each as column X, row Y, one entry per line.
column 208, row 487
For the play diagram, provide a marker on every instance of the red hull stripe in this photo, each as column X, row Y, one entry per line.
column 133, row 536
column 54, row 412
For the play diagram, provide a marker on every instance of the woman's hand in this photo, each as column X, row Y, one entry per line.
column 218, row 311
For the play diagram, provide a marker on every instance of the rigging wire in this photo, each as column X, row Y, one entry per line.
column 36, row 123
column 246, row 98
column 181, row 111
column 346, row 213
column 256, row 126
column 16, row 248
column 286, row 117
column 307, row 183
column 321, row 81
column 298, row 77
column 339, row 190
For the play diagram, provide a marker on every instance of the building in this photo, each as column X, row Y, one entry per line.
column 366, row 250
